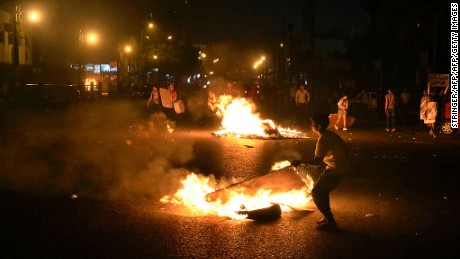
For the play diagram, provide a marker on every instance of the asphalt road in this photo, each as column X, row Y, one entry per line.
column 86, row 183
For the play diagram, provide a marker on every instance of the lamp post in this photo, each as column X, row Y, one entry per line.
column 17, row 41
column 150, row 26
column 80, row 46
column 16, row 35
column 120, row 64
column 91, row 38
column 256, row 65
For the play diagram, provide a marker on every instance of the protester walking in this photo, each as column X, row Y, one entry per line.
column 342, row 112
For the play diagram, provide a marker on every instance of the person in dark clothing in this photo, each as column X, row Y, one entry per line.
column 332, row 152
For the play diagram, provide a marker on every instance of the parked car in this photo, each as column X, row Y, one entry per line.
column 60, row 95
column 27, row 95
column 446, row 127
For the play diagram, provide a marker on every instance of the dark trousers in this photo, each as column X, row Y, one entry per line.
column 391, row 119
column 301, row 113
column 320, row 193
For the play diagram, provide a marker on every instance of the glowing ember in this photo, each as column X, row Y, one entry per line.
column 240, row 120
column 202, row 195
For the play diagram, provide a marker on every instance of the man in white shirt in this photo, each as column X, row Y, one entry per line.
column 302, row 98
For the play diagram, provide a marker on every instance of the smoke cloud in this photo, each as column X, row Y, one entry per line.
column 99, row 150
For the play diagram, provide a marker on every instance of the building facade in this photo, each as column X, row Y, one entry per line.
column 7, row 34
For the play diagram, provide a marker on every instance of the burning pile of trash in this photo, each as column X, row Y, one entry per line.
column 240, row 120
column 260, row 198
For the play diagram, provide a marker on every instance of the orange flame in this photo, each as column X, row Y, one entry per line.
column 239, row 119
column 196, row 187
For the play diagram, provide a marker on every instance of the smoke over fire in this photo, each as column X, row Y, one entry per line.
column 98, row 150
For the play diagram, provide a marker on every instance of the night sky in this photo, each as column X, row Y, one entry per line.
column 250, row 22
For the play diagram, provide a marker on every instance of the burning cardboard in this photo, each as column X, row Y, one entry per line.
column 278, row 182
column 256, row 198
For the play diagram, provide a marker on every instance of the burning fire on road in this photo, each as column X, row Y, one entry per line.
column 283, row 189
column 240, row 120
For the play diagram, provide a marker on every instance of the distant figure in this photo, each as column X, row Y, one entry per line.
column 432, row 111
column 424, row 107
column 302, row 97
column 342, row 106
column 363, row 98
column 172, row 93
column 390, row 106
column 172, row 113
column 155, row 97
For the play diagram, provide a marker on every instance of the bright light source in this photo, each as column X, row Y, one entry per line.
column 92, row 38
column 34, row 16
column 155, row 56
column 150, row 25
column 128, row 49
column 215, row 60
column 170, row 37
column 259, row 62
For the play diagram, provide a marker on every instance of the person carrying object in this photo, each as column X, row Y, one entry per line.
column 332, row 152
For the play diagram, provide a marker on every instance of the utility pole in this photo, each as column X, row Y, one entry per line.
column 80, row 65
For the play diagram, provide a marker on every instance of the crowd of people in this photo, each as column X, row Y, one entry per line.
column 398, row 110
column 315, row 109
column 168, row 102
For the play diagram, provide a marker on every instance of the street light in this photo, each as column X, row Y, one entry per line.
column 259, row 62
column 89, row 38
column 33, row 17
column 120, row 73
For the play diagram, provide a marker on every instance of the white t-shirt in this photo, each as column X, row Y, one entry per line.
column 334, row 150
